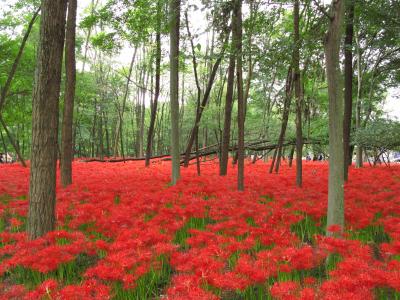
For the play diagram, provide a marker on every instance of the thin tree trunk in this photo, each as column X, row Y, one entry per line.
column 67, row 151
column 45, row 111
column 204, row 102
column 174, row 10
column 100, row 135
column 3, row 142
column 150, row 135
column 359, row 150
column 6, row 87
column 335, row 93
column 12, row 142
column 348, row 86
column 107, row 134
column 285, row 116
column 291, row 154
column 126, row 93
column 93, row 134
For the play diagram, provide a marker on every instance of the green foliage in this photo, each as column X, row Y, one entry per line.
column 379, row 133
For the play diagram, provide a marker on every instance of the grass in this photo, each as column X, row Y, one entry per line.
column 193, row 223
column 149, row 286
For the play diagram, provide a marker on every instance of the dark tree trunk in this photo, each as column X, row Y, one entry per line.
column 12, row 141
column 204, row 102
column 285, row 116
column 228, row 111
column 45, row 111
column 291, row 154
column 196, row 128
column 67, row 153
column 299, row 106
column 93, row 134
column 121, row 115
column 348, row 86
column 241, row 105
column 3, row 141
column 174, row 10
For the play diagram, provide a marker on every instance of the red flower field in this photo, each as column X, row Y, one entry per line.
column 123, row 232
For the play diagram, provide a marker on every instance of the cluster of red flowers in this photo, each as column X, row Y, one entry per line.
column 125, row 217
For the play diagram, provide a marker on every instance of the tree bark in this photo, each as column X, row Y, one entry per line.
column 336, row 181
column 299, row 104
column 285, row 116
column 359, row 150
column 121, row 115
column 348, row 86
column 204, row 101
column 93, row 133
column 174, row 10
column 239, row 77
column 67, row 151
column 45, row 111
column 150, row 135
column 12, row 141
column 228, row 110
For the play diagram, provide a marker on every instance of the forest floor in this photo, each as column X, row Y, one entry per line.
column 123, row 232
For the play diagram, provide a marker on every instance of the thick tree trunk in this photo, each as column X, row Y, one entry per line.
column 174, row 10
column 241, row 105
column 335, row 93
column 67, row 151
column 45, row 110
column 297, row 92
column 348, row 86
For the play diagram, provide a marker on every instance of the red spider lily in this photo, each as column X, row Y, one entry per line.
column 126, row 216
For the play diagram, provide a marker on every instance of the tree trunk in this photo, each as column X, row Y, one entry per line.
column 204, row 102
column 67, row 151
column 228, row 110
column 299, row 106
column 291, row 154
column 126, row 93
column 336, row 181
column 93, row 133
column 12, row 141
column 359, row 150
column 150, row 135
column 241, row 105
column 174, row 10
column 348, row 86
column 3, row 141
column 285, row 116
column 45, row 110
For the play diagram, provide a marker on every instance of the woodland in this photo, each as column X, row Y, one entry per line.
column 199, row 149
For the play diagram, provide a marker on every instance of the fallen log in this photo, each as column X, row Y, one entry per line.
column 205, row 151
